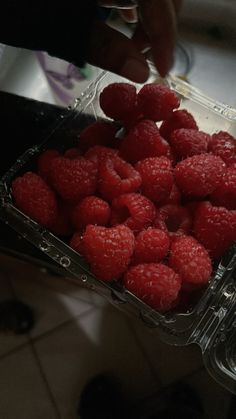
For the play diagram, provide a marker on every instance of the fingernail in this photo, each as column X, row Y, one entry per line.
column 135, row 70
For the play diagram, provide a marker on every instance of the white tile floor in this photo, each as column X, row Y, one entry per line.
column 77, row 335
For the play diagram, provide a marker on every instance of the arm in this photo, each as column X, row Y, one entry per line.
column 72, row 32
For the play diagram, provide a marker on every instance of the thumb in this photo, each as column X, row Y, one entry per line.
column 113, row 51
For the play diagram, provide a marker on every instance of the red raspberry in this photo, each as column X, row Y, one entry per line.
column 172, row 157
column 174, row 197
column 132, row 118
column 215, row 228
column 157, row 177
column 117, row 177
column 73, row 179
column 199, row 176
column 154, row 283
column 174, row 219
column 157, row 101
column 72, row 153
column 108, row 250
column 178, row 119
column 62, row 224
column 224, row 145
column 133, row 210
column 191, row 261
column 143, row 141
column 225, row 194
column 44, row 162
column 98, row 133
column 99, row 153
column 192, row 207
column 35, row 198
column 91, row 210
column 118, row 99
column 77, row 242
column 151, row 245
column 189, row 142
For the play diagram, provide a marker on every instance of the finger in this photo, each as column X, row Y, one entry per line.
column 113, row 51
column 178, row 5
column 140, row 38
column 129, row 15
column 158, row 18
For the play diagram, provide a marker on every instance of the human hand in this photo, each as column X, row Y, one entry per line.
column 156, row 29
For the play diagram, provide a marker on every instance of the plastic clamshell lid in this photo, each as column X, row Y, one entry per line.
column 215, row 308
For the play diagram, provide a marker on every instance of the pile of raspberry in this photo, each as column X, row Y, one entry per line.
column 146, row 197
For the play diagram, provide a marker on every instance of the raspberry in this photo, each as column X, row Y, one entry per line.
column 77, row 242
column 174, row 197
column 91, row 210
column 224, row 145
column 118, row 99
column 157, row 177
column 117, row 177
column 132, row 118
column 44, row 162
column 172, row 157
column 192, row 207
column 143, row 141
column 72, row 153
column 133, row 210
column 191, row 261
column 189, row 142
column 73, row 179
column 35, row 198
column 99, row 153
column 225, row 194
column 151, row 245
column 199, row 176
column 108, row 250
column 215, row 228
column 62, row 224
column 174, row 219
column 98, row 133
column 157, row 101
column 154, row 283
column 178, row 119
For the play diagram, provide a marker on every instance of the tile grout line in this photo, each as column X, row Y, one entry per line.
column 44, row 378
column 33, row 341
column 41, row 336
column 47, row 333
column 139, row 343
column 60, row 326
column 14, row 350
column 93, row 305
column 54, row 291
column 152, row 367
column 65, row 281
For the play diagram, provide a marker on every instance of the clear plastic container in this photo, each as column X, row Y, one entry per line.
column 211, row 323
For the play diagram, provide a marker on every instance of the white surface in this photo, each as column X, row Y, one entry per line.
column 22, row 74
column 214, row 66
column 210, row 12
